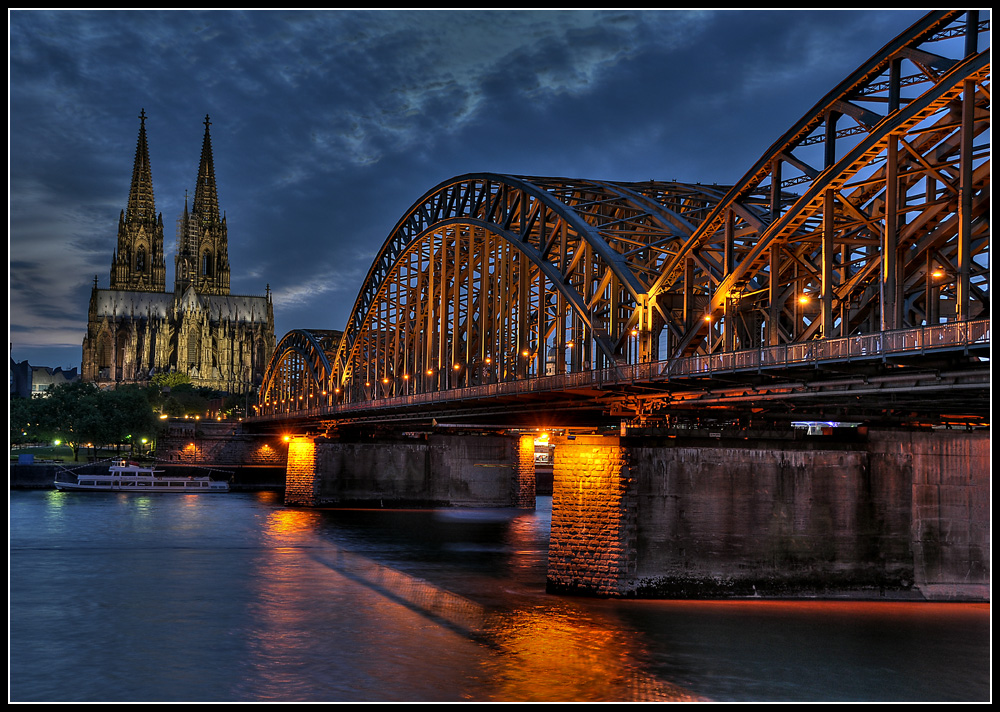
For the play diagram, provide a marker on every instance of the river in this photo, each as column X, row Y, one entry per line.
column 235, row 597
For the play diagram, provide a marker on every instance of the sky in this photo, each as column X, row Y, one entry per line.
column 327, row 125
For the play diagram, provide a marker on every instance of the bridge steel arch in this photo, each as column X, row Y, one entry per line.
column 869, row 214
column 877, row 225
column 300, row 371
column 490, row 278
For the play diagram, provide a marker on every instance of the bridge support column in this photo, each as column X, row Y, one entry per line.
column 524, row 473
column 850, row 514
column 460, row 470
column 302, row 478
column 592, row 542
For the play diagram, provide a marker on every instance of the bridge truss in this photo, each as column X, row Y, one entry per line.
column 869, row 215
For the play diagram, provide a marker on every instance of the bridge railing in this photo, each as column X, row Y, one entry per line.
column 941, row 337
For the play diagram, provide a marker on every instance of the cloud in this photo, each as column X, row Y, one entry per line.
column 311, row 290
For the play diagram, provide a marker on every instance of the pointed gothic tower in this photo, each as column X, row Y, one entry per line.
column 203, row 251
column 138, row 263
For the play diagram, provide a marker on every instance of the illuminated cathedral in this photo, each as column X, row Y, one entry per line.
column 136, row 329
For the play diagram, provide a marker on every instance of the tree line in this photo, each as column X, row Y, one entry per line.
column 79, row 414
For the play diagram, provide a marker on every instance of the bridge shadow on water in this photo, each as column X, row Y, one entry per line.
column 462, row 576
column 459, row 596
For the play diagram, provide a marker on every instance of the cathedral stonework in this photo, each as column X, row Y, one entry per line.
column 136, row 329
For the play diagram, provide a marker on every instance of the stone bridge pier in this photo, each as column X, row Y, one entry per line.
column 877, row 514
column 425, row 470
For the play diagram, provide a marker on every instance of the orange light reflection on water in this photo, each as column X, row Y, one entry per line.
column 569, row 658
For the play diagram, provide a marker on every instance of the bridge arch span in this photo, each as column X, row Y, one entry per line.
column 830, row 259
column 300, row 371
column 490, row 278
column 870, row 214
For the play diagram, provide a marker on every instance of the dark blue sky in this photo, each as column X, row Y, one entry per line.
column 328, row 125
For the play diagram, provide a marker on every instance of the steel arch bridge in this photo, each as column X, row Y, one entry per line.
column 868, row 216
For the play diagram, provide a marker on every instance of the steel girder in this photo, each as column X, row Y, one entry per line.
column 299, row 372
column 882, row 224
column 870, row 213
column 492, row 278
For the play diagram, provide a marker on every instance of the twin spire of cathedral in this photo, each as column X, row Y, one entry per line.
column 140, row 197
column 202, row 259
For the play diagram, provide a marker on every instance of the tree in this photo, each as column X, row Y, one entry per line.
column 126, row 415
column 69, row 412
column 80, row 412
column 23, row 420
column 169, row 379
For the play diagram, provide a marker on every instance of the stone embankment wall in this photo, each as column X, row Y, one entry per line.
column 904, row 515
column 218, row 442
column 435, row 470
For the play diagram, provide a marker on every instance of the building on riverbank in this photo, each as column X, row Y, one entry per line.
column 136, row 329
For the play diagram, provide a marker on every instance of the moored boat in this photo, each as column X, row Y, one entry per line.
column 125, row 476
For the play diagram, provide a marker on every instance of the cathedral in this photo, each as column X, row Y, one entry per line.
column 136, row 329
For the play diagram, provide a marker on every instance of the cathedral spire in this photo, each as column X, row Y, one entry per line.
column 206, row 196
column 138, row 260
column 140, row 197
column 204, row 261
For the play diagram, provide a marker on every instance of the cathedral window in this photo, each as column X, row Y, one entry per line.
column 206, row 264
column 193, row 346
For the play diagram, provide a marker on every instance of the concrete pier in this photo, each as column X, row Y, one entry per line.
column 883, row 514
column 475, row 470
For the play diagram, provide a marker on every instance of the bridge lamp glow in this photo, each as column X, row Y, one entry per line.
column 457, row 367
column 938, row 273
column 804, row 299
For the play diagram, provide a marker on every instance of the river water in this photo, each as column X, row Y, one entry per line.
column 237, row 598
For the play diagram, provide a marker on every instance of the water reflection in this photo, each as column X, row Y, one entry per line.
column 242, row 599
column 433, row 643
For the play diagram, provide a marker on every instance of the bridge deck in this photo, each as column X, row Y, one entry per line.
column 889, row 375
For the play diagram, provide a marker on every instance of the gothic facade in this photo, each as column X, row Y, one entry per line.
column 137, row 329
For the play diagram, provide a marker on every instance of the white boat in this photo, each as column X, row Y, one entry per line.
column 130, row 477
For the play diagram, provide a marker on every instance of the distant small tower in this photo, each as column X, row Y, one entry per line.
column 138, row 263
column 203, row 251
